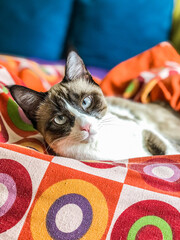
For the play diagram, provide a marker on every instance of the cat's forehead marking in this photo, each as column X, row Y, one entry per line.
column 80, row 85
column 70, row 95
column 79, row 115
column 71, row 109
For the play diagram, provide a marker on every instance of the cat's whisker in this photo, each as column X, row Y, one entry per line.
column 106, row 120
column 108, row 124
column 48, row 148
column 77, row 137
column 60, row 139
column 68, row 139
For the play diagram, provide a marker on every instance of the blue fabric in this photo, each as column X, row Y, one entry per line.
column 34, row 28
column 106, row 32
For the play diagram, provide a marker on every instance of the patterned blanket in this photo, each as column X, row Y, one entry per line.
column 46, row 197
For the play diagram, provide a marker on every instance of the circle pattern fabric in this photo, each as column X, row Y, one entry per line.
column 150, row 218
column 32, row 143
column 19, row 186
column 171, row 172
column 8, row 181
column 3, row 132
column 15, row 118
column 66, row 200
column 104, row 165
column 82, row 194
column 18, row 117
column 160, row 173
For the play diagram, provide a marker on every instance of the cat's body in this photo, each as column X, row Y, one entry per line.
column 77, row 121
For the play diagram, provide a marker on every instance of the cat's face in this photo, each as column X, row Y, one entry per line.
column 70, row 111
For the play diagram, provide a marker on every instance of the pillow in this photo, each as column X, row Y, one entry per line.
column 106, row 32
column 34, row 28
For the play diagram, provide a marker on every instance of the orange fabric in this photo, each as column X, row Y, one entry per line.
column 28, row 77
column 31, row 74
column 11, row 66
column 168, row 89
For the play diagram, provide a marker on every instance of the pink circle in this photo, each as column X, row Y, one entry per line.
column 155, row 181
column 12, row 192
column 23, row 116
column 173, row 72
column 148, row 170
column 104, row 164
column 22, row 195
column 3, row 132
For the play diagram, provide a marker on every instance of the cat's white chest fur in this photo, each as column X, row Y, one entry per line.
column 116, row 139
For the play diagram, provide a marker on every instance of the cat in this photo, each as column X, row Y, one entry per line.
column 78, row 121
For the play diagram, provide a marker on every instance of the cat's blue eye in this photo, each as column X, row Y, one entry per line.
column 87, row 101
column 60, row 119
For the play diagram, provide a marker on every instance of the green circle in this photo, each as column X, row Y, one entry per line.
column 151, row 220
column 12, row 109
column 130, row 87
column 5, row 90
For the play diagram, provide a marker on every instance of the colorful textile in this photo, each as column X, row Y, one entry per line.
column 45, row 197
column 150, row 76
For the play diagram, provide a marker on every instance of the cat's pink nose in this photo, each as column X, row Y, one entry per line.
column 85, row 127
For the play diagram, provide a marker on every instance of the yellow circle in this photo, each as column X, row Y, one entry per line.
column 31, row 145
column 57, row 190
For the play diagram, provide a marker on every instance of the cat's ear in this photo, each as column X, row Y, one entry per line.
column 75, row 67
column 28, row 99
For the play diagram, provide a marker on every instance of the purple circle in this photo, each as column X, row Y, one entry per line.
column 81, row 202
column 148, row 170
column 12, row 192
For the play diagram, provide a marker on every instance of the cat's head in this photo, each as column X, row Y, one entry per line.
column 70, row 110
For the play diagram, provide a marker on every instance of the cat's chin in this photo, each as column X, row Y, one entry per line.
column 87, row 137
column 84, row 149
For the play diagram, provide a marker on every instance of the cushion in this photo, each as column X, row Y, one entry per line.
column 107, row 32
column 34, row 28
